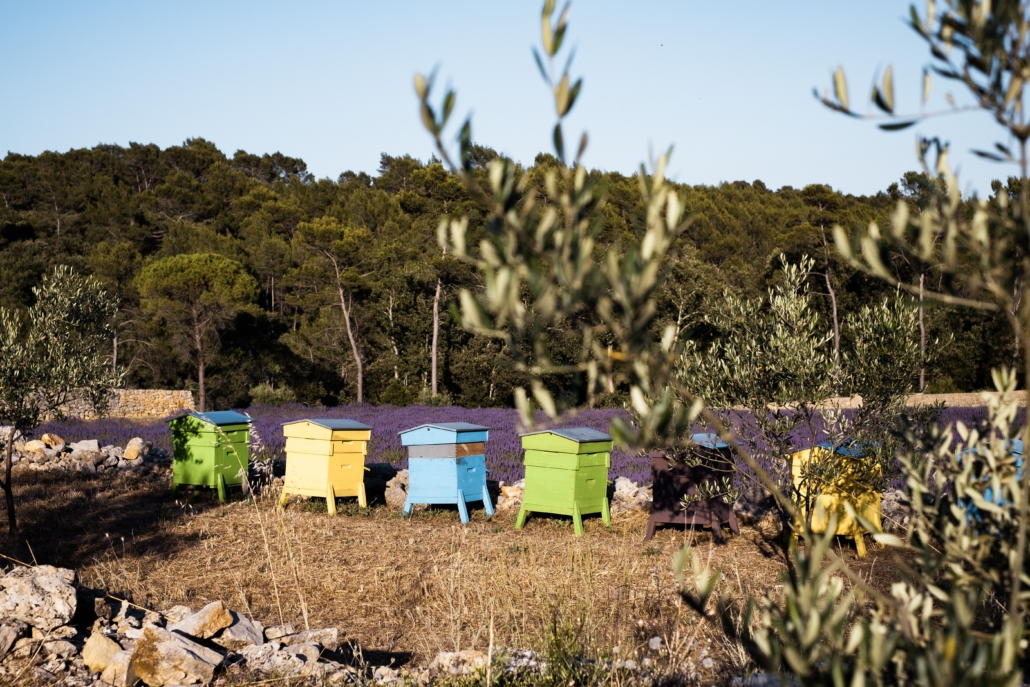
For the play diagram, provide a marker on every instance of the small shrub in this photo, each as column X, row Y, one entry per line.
column 264, row 394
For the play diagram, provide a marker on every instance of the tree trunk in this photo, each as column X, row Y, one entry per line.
column 836, row 330
column 12, row 523
column 353, row 342
column 198, row 342
column 114, row 351
column 1015, row 315
column 436, row 334
column 922, row 336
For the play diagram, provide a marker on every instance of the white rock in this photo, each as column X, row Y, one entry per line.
column 464, row 662
column 10, row 632
column 60, row 647
column 90, row 445
column 277, row 631
column 310, row 652
column 328, row 638
column 99, row 651
column 167, row 658
column 205, row 623
column 33, row 446
column 177, row 613
column 243, row 632
column 135, row 448
column 119, row 671
column 43, row 597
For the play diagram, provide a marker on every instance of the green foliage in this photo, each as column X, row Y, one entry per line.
column 264, row 394
column 771, row 357
column 53, row 355
column 195, row 295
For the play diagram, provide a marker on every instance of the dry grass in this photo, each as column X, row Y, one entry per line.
column 401, row 590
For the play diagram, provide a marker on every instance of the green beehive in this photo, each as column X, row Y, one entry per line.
column 210, row 450
column 566, row 474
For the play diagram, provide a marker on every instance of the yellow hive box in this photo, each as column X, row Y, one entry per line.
column 847, row 488
column 326, row 457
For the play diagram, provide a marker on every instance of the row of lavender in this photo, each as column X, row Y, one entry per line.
column 503, row 451
column 503, row 454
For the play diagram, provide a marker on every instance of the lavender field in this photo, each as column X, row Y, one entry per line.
column 503, row 451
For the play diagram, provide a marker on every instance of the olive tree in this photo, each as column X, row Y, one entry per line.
column 970, row 497
column 55, row 352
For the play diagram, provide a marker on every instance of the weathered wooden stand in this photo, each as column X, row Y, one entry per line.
column 672, row 480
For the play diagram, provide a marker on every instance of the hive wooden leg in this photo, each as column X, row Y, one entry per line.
column 221, row 488
column 521, row 520
column 362, row 498
column 606, row 513
column 577, row 520
column 174, row 488
column 860, row 545
column 717, row 529
column 408, row 506
column 330, row 500
column 487, row 503
column 284, row 498
column 649, row 534
column 733, row 522
column 463, row 511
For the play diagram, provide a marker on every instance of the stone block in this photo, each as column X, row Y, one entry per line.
column 205, row 623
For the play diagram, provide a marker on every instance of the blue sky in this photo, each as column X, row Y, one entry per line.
column 729, row 84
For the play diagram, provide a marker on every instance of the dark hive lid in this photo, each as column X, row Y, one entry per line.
column 581, row 435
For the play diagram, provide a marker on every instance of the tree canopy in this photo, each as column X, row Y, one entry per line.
column 118, row 212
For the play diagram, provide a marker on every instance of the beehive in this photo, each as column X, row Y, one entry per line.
column 210, row 450
column 447, row 464
column 1015, row 448
column 326, row 457
column 846, row 488
column 566, row 474
column 672, row 479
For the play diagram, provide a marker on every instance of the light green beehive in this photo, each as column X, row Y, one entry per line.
column 566, row 474
column 210, row 450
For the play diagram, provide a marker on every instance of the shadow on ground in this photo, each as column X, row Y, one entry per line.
column 71, row 519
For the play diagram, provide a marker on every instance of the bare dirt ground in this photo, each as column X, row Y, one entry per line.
column 401, row 590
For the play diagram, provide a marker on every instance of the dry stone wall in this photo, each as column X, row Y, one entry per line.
column 136, row 403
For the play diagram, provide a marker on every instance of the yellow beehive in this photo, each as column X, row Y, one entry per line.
column 326, row 457
column 847, row 488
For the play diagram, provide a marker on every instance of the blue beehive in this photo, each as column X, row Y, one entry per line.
column 447, row 464
column 1015, row 447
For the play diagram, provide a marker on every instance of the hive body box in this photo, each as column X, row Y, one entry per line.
column 672, row 480
column 210, row 450
column 566, row 474
column 447, row 464
column 326, row 457
column 847, row 488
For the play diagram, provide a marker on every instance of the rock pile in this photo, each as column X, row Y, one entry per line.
column 894, row 511
column 56, row 632
column 397, row 490
column 51, row 452
column 510, row 497
column 629, row 497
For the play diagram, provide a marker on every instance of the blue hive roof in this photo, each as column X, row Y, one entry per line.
column 222, row 417
column 708, row 441
column 450, row 427
column 850, row 448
